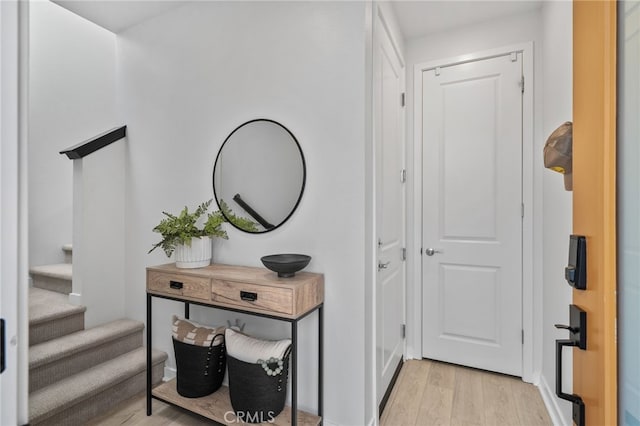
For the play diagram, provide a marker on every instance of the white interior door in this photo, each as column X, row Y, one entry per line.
column 388, row 131
column 472, row 214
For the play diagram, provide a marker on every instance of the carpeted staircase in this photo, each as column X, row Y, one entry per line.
column 76, row 374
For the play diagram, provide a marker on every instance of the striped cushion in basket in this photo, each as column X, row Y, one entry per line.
column 196, row 334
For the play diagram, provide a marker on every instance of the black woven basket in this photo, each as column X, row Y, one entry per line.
column 255, row 396
column 200, row 368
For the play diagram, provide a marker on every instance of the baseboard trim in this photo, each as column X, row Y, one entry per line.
column 385, row 398
column 169, row 374
column 75, row 299
column 550, row 401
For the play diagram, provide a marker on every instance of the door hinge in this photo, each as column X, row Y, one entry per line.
column 522, row 210
column 403, row 175
column 402, row 99
column 2, row 346
column 522, row 83
column 403, row 330
column 522, row 335
column 404, row 253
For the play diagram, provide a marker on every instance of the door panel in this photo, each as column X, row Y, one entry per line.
column 390, row 196
column 469, row 184
column 472, row 221
column 594, row 203
column 478, row 322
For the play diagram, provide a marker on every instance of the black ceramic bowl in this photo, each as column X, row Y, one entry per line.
column 286, row 265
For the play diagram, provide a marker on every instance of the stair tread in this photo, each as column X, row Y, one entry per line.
column 63, row 271
column 67, row 248
column 45, row 305
column 74, row 389
column 53, row 350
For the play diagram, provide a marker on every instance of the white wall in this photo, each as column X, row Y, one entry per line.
column 99, row 234
column 470, row 39
column 190, row 77
column 72, row 98
column 557, row 208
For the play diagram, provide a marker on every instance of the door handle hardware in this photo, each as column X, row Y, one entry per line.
column 578, row 338
column 578, row 403
column 177, row 285
column 577, row 327
column 566, row 327
column 431, row 251
column 576, row 271
column 383, row 265
column 248, row 296
column 2, row 346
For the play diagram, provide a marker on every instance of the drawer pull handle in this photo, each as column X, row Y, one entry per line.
column 175, row 284
column 248, row 296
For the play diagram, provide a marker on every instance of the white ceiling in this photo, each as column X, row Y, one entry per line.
column 423, row 17
column 118, row 15
column 417, row 18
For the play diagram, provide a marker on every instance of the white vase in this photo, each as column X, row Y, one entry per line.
column 197, row 255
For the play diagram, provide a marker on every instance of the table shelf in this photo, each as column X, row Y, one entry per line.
column 217, row 407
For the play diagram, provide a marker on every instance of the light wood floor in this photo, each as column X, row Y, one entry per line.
column 427, row 393
column 436, row 393
column 133, row 412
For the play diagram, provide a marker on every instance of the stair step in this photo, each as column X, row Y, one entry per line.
column 53, row 277
column 68, row 252
column 52, row 316
column 78, row 398
column 56, row 359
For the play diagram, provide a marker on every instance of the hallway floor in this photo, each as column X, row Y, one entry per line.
column 436, row 393
column 427, row 393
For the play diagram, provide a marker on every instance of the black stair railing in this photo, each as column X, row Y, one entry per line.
column 97, row 142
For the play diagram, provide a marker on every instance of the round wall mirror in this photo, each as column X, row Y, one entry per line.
column 259, row 176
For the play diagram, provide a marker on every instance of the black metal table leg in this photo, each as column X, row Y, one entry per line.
column 148, row 354
column 186, row 310
column 294, row 373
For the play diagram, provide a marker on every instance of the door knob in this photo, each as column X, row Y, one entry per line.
column 566, row 327
column 383, row 265
column 431, row 251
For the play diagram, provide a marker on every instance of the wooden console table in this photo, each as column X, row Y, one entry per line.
column 254, row 291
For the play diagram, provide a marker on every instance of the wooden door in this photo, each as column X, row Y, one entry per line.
column 472, row 217
column 594, row 203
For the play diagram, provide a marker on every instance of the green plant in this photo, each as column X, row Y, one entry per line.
column 240, row 222
column 180, row 229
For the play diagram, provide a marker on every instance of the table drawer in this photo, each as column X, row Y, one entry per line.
column 277, row 300
column 179, row 285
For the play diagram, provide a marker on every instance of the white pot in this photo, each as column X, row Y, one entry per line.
column 197, row 255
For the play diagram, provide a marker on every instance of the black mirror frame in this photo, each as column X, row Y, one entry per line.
column 304, row 175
